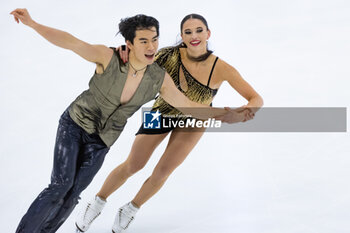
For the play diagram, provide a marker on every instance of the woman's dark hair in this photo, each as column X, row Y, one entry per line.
column 193, row 16
column 128, row 26
column 182, row 45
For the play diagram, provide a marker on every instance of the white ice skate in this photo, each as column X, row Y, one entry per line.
column 88, row 214
column 124, row 217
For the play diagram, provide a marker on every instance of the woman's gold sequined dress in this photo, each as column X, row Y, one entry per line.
column 170, row 59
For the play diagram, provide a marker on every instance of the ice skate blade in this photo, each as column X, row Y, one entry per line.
column 118, row 230
column 77, row 230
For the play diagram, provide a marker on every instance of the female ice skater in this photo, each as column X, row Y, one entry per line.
column 94, row 121
column 198, row 74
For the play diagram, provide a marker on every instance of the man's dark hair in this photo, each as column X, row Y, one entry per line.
column 128, row 26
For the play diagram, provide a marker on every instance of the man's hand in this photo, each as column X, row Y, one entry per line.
column 23, row 16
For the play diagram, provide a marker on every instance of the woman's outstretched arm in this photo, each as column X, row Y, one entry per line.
column 232, row 76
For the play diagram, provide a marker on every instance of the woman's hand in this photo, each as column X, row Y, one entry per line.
column 236, row 115
column 23, row 16
column 124, row 53
column 248, row 112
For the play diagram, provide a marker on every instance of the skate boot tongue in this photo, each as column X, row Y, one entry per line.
column 125, row 216
column 89, row 213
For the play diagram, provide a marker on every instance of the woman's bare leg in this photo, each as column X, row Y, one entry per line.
column 179, row 146
column 141, row 151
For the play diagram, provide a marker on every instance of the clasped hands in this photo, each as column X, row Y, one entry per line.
column 235, row 115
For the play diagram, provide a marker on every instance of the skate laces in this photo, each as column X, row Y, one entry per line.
column 127, row 214
column 90, row 214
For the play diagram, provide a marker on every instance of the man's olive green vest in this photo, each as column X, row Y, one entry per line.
column 98, row 109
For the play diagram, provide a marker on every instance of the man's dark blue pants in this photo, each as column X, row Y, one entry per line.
column 77, row 158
